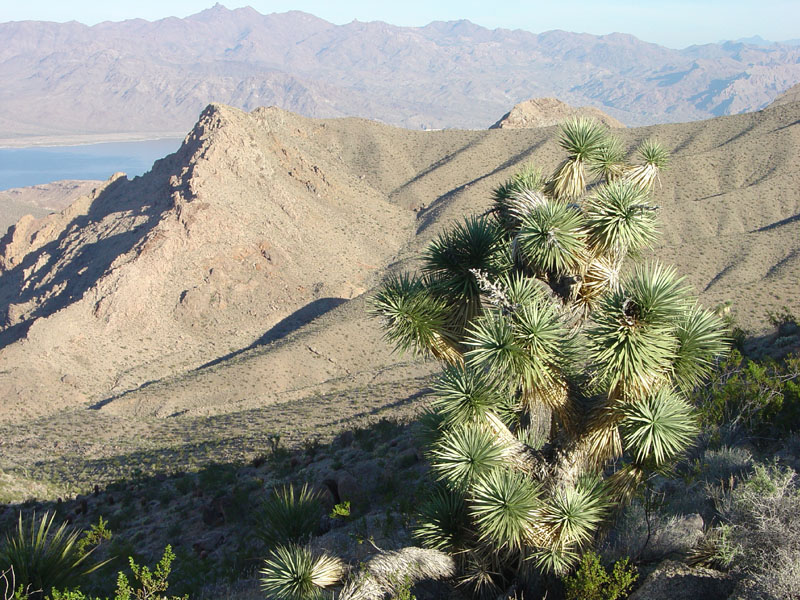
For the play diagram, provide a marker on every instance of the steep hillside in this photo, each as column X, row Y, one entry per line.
column 249, row 221
column 155, row 77
column 235, row 275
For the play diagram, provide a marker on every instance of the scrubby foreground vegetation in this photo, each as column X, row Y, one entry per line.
column 590, row 422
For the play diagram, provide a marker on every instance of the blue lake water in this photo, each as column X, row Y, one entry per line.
column 21, row 167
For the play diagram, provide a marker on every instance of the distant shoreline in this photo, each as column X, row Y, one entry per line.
column 85, row 140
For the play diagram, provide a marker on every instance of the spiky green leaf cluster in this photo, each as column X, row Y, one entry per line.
column 618, row 216
column 289, row 515
column 464, row 396
column 44, row 556
column 464, row 454
column 477, row 243
column 609, row 162
column 659, row 426
column 414, row 319
column 292, row 572
column 442, row 523
column 550, row 238
column 505, row 505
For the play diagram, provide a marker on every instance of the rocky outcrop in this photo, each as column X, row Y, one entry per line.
column 673, row 580
column 544, row 112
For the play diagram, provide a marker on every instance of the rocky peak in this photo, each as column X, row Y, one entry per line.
column 544, row 112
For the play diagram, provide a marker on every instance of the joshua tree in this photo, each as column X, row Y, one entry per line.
column 564, row 376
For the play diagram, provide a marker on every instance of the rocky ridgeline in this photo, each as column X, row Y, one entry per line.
column 247, row 222
column 546, row 112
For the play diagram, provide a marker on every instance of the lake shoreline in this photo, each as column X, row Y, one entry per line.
column 26, row 166
column 84, row 139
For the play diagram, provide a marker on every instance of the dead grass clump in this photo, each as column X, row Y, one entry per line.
column 388, row 572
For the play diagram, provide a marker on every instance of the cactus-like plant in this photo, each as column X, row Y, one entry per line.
column 548, row 337
column 44, row 556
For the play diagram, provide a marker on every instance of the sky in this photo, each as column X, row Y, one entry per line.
column 672, row 23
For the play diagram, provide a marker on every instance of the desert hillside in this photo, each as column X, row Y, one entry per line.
column 40, row 200
column 155, row 77
column 789, row 96
column 235, row 275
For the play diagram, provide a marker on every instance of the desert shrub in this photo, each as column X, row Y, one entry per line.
column 94, row 536
column 288, row 516
column 754, row 395
column 147, row 584
column 717, row 549
column 43, row 556
column 784, row 322
column 292, row 572
column 722, row 464
column 762, row 513
column 591, row 581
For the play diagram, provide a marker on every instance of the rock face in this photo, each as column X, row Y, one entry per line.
column 544, row 112
column 676, row 581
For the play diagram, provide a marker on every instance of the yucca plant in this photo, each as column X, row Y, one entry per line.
column 44, row 556
column 609, row 162
column 654, row 158
column 289, row 516
column 293, row 572
column 566, row 371
column 584, row 140
column 517, row 196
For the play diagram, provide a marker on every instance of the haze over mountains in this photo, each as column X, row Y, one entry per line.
column 235, row 275
column 145, row 78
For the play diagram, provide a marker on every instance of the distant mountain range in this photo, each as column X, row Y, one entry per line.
column 139, row 77
column 757, row 40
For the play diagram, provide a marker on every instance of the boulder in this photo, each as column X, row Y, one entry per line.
column 673, row 580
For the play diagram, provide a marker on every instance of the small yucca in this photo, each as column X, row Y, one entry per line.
column 609, row 162
column 292, row 572
column 44, row 556
column 654, row 158
column 289, row 515
column 583, row 139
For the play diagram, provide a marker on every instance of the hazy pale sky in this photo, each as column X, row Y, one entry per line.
column 673, row 23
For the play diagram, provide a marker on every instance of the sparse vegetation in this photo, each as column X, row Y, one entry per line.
column 762, row 539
